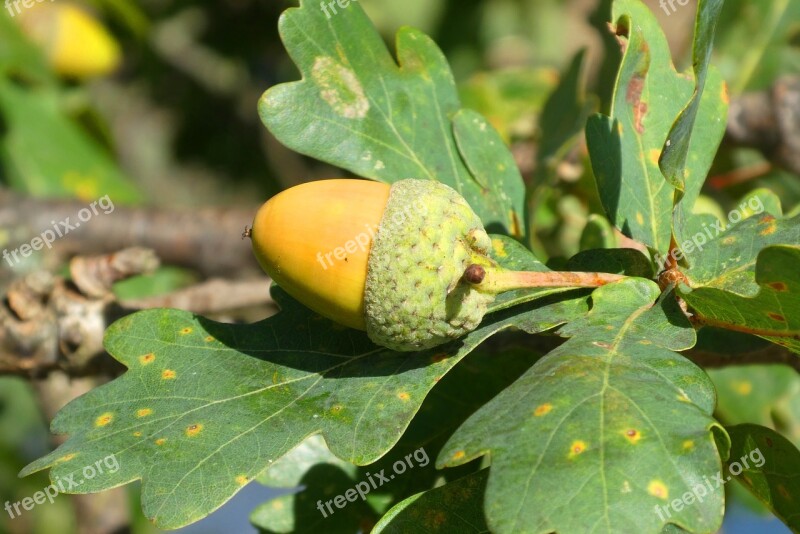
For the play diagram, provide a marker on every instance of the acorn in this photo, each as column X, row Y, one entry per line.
column 76, row 44
column 410, row 262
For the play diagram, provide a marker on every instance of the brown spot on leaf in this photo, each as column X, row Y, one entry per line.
column 633, row 435
column 543, row 409
column 634, row 97
column 146, row 359
column 777, row 317
column 778, row 286
column 439, row 356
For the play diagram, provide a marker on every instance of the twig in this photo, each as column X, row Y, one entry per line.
column 206, row 240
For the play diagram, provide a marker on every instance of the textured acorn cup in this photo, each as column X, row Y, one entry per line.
column 415, row 297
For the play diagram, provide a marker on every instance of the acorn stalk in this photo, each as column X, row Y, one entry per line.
column 498, row 281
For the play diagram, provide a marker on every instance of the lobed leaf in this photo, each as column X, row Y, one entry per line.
column 610, row 424
column 625, row 147
column 357, row 109
column 770, row 469
column 205, row 407
column 747, row 280
column 456, row 507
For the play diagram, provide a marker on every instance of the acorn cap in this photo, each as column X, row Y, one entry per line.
column 414, row 296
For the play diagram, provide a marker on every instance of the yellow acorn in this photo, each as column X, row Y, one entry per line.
column 76, row 44
column 300, row 238
column 409, row 263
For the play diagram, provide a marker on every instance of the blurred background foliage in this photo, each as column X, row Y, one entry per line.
column 154, row 102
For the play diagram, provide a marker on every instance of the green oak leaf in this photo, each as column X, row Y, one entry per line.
column 727, row 261
column 746, row 280
column 456, row 507
column 360, row 110
column 626, row 146
column 766, row 395
column 625, row 261
column 598, row 233
column 45, row 153
column 772, row 470
column 485, row 373
column 774, row 313
column 674, row 157
column 205, row 407
column 603, row 430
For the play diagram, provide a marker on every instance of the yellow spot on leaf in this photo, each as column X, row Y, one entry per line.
column 137, row 434
column 161, row 441
column 209, row 339
column 241, row 480
column 633, row 435
column 688, row 445
column 577, row 448
column 168, row 374
column 654, row 155
column 146, row 359
column 656, row 488
column 186, row 331
column 194, row 430
column 683, row 397
column 724, row 95
column 144, row 412
column 770, row 229
column 742, row 387
column 277, row 504
column 403, row 396
column 104, row 419
column 639, row 218
column 499, row 248
column 543, row 409
column 459, row 455
column 645, row 342
column 730, row 240
column 66, row 458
